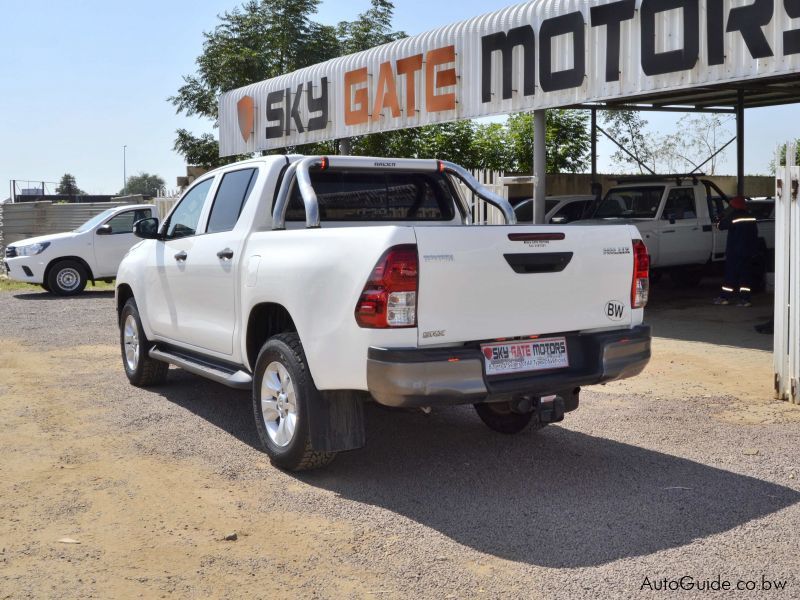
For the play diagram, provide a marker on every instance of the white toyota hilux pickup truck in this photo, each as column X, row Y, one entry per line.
column 321, row 283
column 62, row 263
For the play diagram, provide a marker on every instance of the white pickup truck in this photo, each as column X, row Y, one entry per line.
column 320, row 283
column 62, row 263
column 677, row 219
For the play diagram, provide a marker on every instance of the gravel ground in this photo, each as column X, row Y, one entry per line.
column 647, row 482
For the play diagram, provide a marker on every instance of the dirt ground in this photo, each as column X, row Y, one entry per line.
column 111, row 492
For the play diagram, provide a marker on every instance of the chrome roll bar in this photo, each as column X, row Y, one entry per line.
column 503, row 205
column 297, row 173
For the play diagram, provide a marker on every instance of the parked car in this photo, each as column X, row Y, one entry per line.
column 319, row 283
column 677, row 219
column 558, row 209
column 62, row 263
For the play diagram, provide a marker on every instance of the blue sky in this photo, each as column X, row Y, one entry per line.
column 80, row 79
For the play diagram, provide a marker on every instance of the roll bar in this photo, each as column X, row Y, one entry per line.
column 298, row 173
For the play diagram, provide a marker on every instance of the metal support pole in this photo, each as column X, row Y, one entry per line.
column 539, row 164
column 124, row 170
column 344, row 147
column 740, row 142
column 594, row 145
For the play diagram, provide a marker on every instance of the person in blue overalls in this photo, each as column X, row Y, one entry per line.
column 741, row 250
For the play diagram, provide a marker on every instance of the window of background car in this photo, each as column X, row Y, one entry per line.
column 123, row 222
column 231, row 195
column 631, row 203
column 184, row 219
column 680, row 205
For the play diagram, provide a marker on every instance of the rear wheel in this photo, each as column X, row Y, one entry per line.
column 46, row 287
column 283, row 395
column 142, row 371
column 67, row 278
column 501, row 418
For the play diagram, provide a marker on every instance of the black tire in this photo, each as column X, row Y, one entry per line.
column 46, row 287
column 146, row 371
column 297, row 454
column 67, row 278
column 499, row 417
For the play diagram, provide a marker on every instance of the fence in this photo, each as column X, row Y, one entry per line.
column 787, row 270
column 482, row 211
column 23, row 220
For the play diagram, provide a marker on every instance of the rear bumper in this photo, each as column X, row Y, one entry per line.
column 447, row 376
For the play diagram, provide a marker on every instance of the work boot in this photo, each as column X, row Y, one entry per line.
column 719, row 300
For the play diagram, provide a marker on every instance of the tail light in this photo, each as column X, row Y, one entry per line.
column 640, row 287
column 389, row 298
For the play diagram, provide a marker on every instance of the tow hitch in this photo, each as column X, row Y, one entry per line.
column 550, row 409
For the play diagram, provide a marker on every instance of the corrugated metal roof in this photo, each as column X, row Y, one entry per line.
column 467, row 38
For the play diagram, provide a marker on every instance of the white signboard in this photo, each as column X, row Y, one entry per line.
column 540, row 54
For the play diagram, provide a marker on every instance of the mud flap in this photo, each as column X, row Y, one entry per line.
column 336, row 421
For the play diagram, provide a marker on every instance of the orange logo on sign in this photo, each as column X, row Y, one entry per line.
column 247, row 116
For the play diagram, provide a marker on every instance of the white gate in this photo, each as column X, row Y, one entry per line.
column 484, row 213
column 787, row 271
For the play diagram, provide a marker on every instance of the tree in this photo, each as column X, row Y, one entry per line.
column 781, row 156
column 698, row 143
column 566, row 138
column 68, row 186
column 260, row 40
column 144, row 184
column 627, row 127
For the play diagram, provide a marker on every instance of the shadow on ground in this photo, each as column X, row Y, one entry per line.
column 688, row 314
column 89, row 294
column 554, row 498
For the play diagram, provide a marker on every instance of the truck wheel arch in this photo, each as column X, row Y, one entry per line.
column 266, row 320
column 124, row 293
column 78, row 259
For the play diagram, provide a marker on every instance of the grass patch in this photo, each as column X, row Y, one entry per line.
column 9, row 285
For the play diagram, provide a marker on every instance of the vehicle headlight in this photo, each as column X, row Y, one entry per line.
column 32, row 249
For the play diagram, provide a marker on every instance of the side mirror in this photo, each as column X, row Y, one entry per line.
column 672, row 219
column 147, row 229
column 104, row 230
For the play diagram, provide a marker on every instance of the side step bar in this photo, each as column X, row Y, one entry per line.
column 215, row 372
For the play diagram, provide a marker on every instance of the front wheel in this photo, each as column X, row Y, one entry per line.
column 142, row 371
column 499, row 417
column 283, row 395
column 67, row 278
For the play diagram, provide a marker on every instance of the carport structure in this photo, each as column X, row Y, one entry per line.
column 667, row 55
column 655, row 55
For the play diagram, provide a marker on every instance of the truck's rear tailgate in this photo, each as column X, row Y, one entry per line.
column 489, row 282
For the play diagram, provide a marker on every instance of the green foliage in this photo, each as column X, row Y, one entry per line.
column 781, row 156
column 144, row 184
column 566, row 135
column 68, row 186
column 267, row 38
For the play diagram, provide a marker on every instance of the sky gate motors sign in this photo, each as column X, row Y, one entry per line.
column 523, row 57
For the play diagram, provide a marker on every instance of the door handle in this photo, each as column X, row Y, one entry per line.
column 668, row 231
column 225, row 254
column 181, row 256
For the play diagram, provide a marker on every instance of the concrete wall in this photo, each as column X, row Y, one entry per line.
column 580, row 183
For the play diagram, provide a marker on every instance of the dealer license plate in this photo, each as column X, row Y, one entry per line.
column 517, row 357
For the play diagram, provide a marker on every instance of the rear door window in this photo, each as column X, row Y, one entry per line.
column 231, row 196
column 359, row 196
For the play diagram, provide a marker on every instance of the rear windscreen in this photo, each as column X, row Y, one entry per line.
column 379, row 196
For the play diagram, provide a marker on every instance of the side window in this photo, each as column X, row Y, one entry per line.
column 680, row 205
column 122, row 223
column 229, row 201
column 184, row 219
